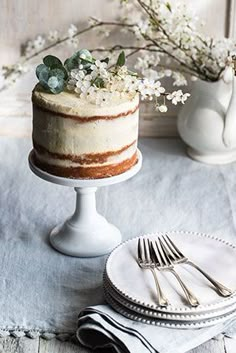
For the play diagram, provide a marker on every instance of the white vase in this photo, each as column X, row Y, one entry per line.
column 207, row 121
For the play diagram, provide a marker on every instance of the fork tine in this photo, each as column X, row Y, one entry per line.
column 173, row 246
column 164, row 252
column 157, row 253
column 154, row 259
column 171, row 252
column 140, row 253
column 146, row 250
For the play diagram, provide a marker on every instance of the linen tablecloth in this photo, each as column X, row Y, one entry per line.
column 44, row 290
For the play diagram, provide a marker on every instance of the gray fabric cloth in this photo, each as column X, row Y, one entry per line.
column 101, row 327
column 43, row 290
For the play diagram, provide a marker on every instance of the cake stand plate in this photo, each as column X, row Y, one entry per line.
column 86, row 233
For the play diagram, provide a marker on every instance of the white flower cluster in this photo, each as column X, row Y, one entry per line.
column 100, row 85
column 169, row 30
column 178, row 96
column 41, row 42
column 72, row 30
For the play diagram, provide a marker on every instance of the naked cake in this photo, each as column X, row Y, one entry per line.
column 75, row 138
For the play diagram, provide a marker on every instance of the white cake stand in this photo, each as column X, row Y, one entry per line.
column 86, row 233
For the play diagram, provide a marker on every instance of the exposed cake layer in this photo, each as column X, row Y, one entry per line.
column 73, row 138
column 58, row 134
column 91, row 159
column 89, row 172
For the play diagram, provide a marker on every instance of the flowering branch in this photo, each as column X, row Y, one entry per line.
column 165, row 36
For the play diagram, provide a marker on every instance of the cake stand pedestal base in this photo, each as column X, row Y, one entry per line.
column 86, row 233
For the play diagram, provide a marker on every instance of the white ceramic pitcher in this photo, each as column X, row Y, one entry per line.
column 207, row 122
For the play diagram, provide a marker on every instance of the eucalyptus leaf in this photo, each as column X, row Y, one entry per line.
column 53, row 82
column 39, row 68
column 52, row 61
column 87, row 61
column 52, row 74
column 71, row 63
column 59, row 88
column 43, row 74
column 44, row 84
column 86, row 53
column 65, row 72
column 121, row 59
column 59, row 73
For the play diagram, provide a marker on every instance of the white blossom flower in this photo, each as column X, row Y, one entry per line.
column 20, row 68
column 72, row 30
column 175, row 96
column 149, row 88
column 158, row 89
column 82, row 86
column 80, row 81
column 162, row 108
column 185, row 97
column 131, row 84
column 102, row 97
column 178, row 96
column 93, row 21
column 99, row 68
column 75, row 76
column 89, row 94
column 74, row 42
column 145, row 88
column 53, row 36
column 99, row 65
column 179, row 79
column 29, row 48
column 39, row 42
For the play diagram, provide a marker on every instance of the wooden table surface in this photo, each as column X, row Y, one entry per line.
column 39, row 345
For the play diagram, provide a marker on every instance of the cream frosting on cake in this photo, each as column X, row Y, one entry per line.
column 77, row 139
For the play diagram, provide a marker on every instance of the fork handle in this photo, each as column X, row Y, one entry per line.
column 162, row 301
column 224, row 291
column 189, row 295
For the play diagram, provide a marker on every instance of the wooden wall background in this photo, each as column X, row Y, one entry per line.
column 21, row 20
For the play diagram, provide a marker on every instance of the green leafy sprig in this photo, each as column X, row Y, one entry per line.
column 82, row 57
column 53, row 75
column 121, row 59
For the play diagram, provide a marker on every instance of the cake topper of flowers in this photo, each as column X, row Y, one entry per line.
column 98, row 83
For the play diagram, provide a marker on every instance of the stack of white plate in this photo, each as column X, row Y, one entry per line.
column 131, row 290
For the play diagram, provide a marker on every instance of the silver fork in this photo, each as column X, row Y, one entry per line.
column 163, row 263
column 178, row 257
column 145, row 262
